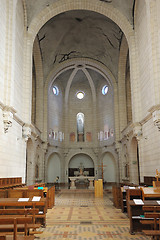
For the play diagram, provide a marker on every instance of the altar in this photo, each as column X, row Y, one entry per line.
column 81, row 177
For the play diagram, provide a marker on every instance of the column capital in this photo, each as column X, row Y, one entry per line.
column 137, row 130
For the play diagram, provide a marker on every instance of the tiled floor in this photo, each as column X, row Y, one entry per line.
column 79, row 215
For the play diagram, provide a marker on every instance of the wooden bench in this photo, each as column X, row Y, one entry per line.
column 15, row 226
column 49, row 193
column 7, row 183
column 153, row 214
column 155, row 232
column 133, row 194
column 136, row 216
column 116, row 193
column 10, row 213
column 6, row 203
column 24, row 193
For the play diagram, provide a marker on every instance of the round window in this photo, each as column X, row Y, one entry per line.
column 80, row 95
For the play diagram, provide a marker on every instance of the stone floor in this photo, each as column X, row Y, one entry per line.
column 79, row 215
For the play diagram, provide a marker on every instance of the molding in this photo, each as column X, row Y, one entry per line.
column 154, row 108
column 155, row 111
column 146, row 119
column 2, row 105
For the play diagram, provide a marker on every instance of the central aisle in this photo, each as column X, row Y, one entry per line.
column 79, row 215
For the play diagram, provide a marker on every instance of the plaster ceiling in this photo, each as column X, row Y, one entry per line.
column 34, row 7
column 80, row 34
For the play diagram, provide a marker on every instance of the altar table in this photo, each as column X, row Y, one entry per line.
column 73, row 179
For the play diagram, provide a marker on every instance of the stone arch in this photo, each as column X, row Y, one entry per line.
column 110, row 156
column 81, row 159
column 53, row 167
column 38, row 91
column 69, row 64
column 121, row 83
column 80, row 151
column 25, row 12
column 63, row 6
column 71, row 80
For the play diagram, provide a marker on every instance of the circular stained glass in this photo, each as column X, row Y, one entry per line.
column 55, row 90
column 104, row 89
column 80, row 95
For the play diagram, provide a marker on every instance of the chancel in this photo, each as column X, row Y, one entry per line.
column 80, row 92
column 81, row 176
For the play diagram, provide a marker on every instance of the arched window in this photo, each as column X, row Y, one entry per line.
column 55, row 90
column 104, row 89
column 80, row 127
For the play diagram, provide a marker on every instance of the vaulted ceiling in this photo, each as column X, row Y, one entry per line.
column 80, row 34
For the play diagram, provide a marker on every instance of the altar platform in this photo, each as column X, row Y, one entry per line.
column 90, row 179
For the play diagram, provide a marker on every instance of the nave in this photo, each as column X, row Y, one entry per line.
column 77, row 214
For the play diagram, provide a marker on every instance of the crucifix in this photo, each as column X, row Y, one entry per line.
column 157, row 175
column 102, row 168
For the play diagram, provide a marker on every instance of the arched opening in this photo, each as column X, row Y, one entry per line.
column 81, row 166
column 59, row 117
column 53, row 168
column 109, row 169
column 81, row 162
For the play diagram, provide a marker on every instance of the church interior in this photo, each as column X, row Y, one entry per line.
column 80, row 101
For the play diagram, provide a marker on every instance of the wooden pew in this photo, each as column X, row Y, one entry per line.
column 15, row 226
column 41, row 205
column 35, row 185
column 155, row 232
column 17, row 212
column 133, row 194
column 136, row 216
column 6, row 183
column 153, row 214
column 24, row 193
column 116, row 193
column 51, row 197
column 150, row 193
column 156, row 184
column 49, row 193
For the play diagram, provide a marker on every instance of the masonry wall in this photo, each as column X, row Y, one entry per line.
column 144, row 54
column 12, row 147
column 76, row 106
column 18, row 48
column 105, row 114
column 55, row 115
column 146, row 27
column 3, row 16
column 12, row 144
column 150, row 150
